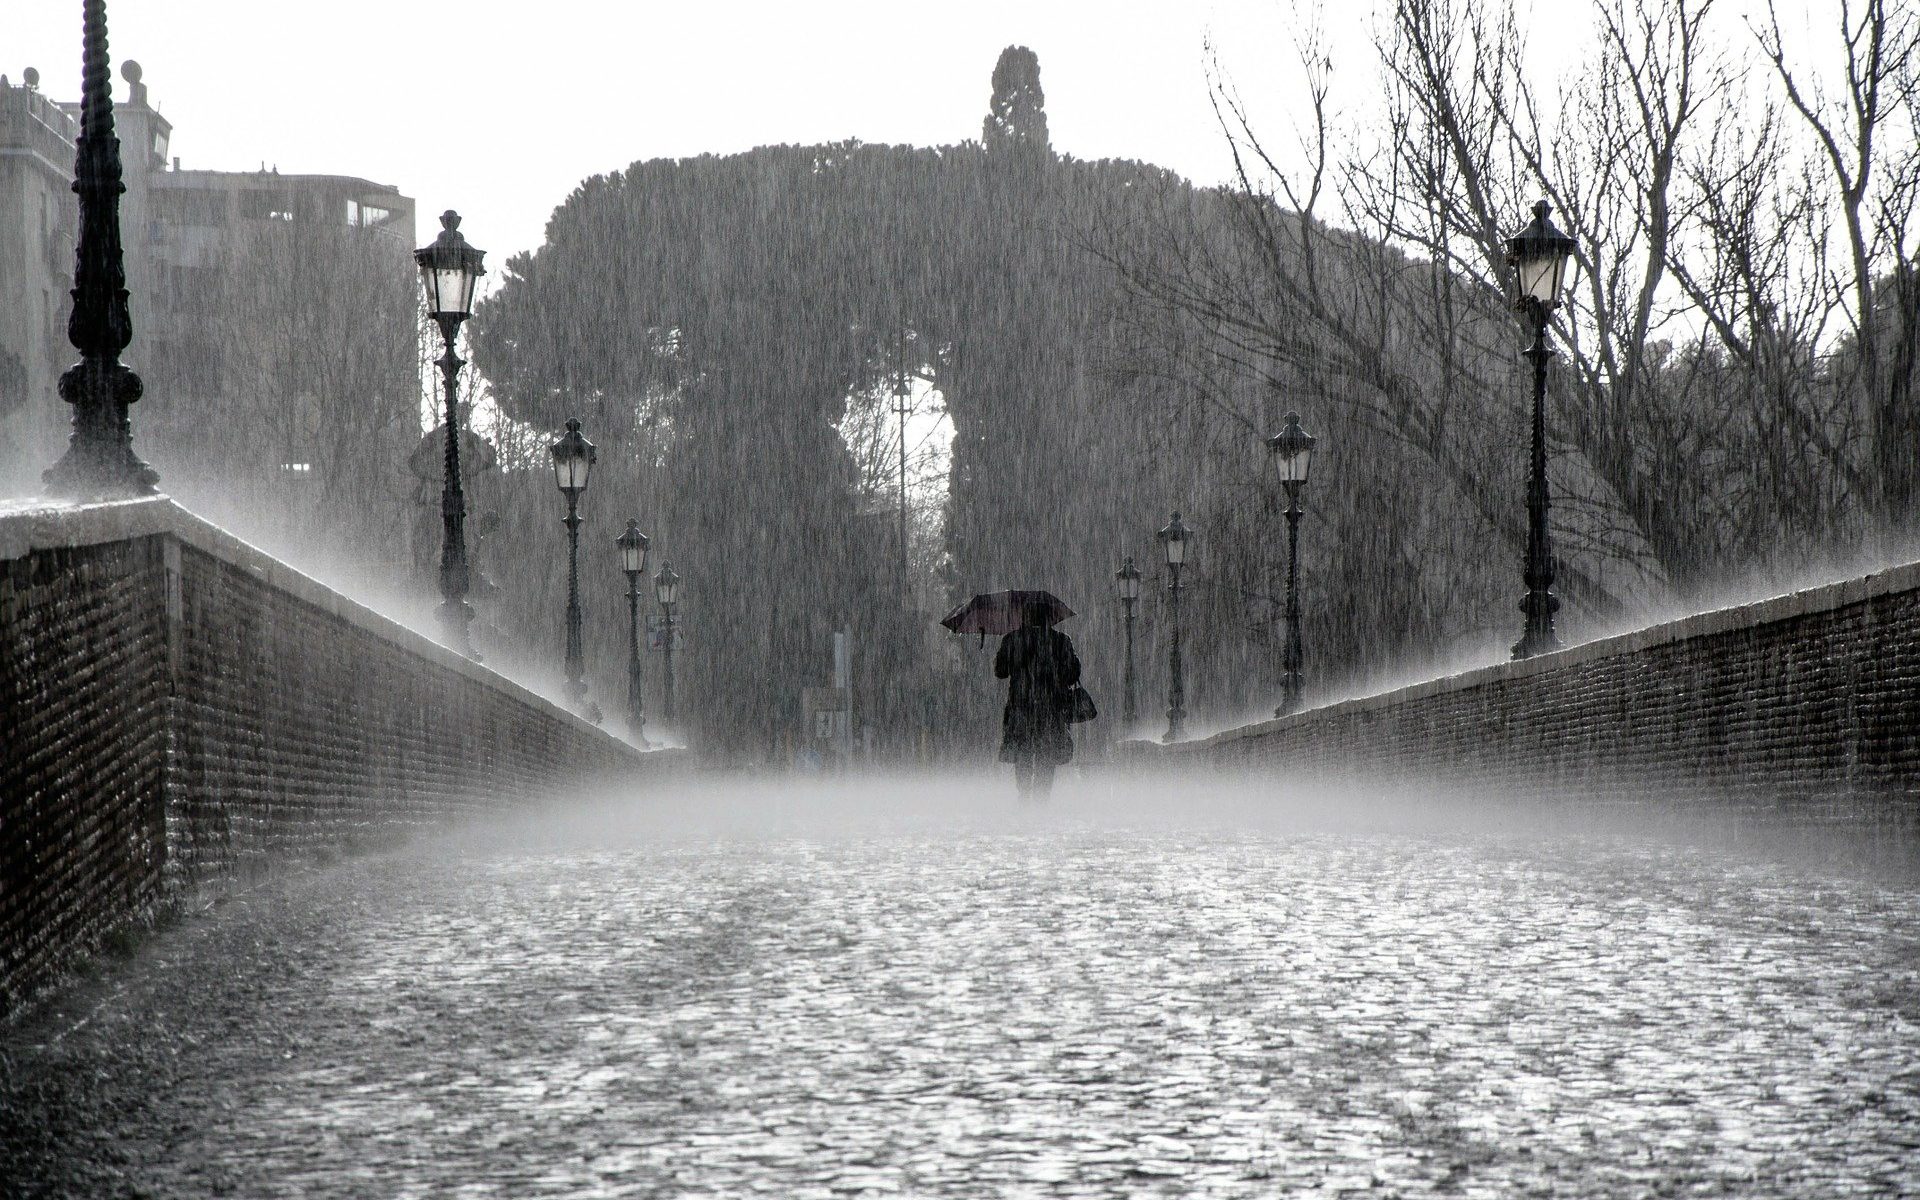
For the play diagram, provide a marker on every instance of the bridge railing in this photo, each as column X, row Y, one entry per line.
column 1806, row 704
column 179, row 710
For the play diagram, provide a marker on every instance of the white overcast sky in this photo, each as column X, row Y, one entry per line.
column 499, row 107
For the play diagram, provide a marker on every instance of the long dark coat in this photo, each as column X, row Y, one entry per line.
column 1039, row 665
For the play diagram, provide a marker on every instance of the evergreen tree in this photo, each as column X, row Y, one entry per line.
column 1017, row 114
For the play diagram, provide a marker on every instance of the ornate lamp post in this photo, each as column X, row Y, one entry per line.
column 1292, row 450
column 99, row 463
column 666, row 589
column 449, row 269
column 1128, row 580
column 1174, row 537
column 1538, row 255
column 633, row 560
column 572, row 464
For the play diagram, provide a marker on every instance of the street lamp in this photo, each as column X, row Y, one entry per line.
column 99, row 463
column 1538, row 255
column 572, row 463
column 1174, row 537
column 1128, row 580
column 666, row 589
column 1292, row 450
column 449, row 269
column 633, row 560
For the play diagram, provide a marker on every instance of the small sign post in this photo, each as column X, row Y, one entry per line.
column 826, row 713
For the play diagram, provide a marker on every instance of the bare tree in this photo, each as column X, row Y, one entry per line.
column 1740, row 340
column 1868, row 137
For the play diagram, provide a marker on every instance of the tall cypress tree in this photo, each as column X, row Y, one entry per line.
column 1017, row 115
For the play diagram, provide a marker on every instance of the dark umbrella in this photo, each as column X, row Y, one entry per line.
column 999, row 612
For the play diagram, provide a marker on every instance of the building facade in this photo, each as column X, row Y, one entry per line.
column 205, row 253
column 38, row 224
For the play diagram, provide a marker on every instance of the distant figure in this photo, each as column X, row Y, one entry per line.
column 1039, row 666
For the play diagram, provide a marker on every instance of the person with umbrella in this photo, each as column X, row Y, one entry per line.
column 1043, row 680
column 1040, row 667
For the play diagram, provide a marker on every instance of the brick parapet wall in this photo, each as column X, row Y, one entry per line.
column 178, row 709
column 1809, row 703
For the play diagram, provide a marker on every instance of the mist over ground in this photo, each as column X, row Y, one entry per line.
column 1117, row 797
column 1160, row 984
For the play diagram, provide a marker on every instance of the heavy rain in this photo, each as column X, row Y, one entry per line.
column 894, row 988
column 906, row 439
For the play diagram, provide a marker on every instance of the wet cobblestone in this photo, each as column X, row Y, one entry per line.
column 1055, row 1005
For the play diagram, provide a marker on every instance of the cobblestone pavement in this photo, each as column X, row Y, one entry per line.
column 613, row 1002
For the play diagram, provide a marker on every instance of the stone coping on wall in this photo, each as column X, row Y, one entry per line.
column 1827, row 597
column 41, row 525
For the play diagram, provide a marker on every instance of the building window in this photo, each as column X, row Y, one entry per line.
column 366, row 216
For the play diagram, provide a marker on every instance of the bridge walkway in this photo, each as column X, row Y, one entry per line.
column 924, row 990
